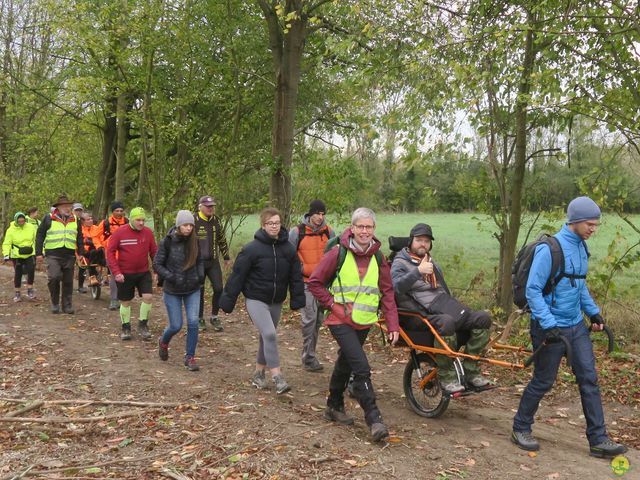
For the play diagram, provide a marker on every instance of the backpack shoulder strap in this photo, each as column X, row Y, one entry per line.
column 302, row 231
column 557, row 263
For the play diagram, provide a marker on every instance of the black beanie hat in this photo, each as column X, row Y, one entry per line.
column 117, row 204
column 421, row 229
column 317, row 206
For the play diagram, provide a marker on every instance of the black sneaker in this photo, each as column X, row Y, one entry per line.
column 338, row 415
column 216, row 323
column 143, row 329
column 190, row 364
column 163, row 350
column 126, row 332
column 525, row 440
column 68, row 310
column 607, row 449
column 314, row 366
column 55, row 309
column 379, row 431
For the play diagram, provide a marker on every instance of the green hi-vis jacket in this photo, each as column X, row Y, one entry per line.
column 19, row 236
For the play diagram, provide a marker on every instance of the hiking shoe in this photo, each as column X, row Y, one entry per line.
column 17, row 298
column 338, row 415
column 202, row 325
column 259, row 380
column 314, row 366
column 114, row 305
column 478, row 381
column 55, row 309
column 607, row 449
column 126, row 332
column 190, row 364
column 525, row 440
column 68, row 310
column 216, row 323
column 143, row 330
column 163, row 350
column 379, row 431
column 82, row 290
column 281, row 384
column 31, row 293
column 453, row 387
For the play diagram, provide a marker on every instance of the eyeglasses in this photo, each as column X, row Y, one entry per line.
column 361, row 228
column 272, row 224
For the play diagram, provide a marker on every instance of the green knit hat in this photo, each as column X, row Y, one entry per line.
column 137, row 212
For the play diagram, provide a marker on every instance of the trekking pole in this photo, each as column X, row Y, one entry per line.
column 611, row 341
column 537, row 351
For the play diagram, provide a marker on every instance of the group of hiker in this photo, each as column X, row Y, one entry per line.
column 342, row 281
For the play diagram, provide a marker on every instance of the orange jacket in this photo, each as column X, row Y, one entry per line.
column 93, row 237
column 114, row 224
column 311, row 248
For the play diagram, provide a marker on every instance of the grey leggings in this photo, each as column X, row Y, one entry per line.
column 265, row 318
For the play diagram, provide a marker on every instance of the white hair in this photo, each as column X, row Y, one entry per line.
column 362, row 212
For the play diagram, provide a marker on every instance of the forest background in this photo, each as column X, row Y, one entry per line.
column 506, row 109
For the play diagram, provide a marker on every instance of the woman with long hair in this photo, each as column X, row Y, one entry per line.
column 181, row 274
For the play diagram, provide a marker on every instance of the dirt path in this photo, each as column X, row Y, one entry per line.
column 226, row 429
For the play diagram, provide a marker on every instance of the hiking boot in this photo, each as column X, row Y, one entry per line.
column 216, row 323
column 478, row 381
column 338, row 415
column 93, row 281
column 17, row 298
column 525, row 440
column 114, row 305
column 190, row 364
column 607, row 449
column 143, row 330
column 68, row 310
column 379, row 431
column 314, row 366
column 126, row 332
column 55, row 309
column 31, row 293
column 202, row 325
column 281, row 384
column 259, row 380
column 163, row 350
column 82, row 290
column 452, row 387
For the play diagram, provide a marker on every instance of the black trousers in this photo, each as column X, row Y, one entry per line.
column 213, row 272
column 352, row 358
column 60, row 271
column 22, row 266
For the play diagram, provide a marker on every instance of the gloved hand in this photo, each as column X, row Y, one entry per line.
column 552, row 335
column 597, row 322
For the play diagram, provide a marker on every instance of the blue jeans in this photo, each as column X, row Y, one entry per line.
column 583, row 364
column 174, row 310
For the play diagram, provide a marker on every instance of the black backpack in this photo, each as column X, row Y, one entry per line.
column 522, row 266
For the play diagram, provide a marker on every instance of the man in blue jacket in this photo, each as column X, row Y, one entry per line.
column 560, row 313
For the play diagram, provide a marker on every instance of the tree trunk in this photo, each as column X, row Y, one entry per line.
column 286, row 49
column 512, row 227
column 121, row 150
column 103, row 190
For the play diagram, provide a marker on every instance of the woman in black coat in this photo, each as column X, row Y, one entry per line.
column 182, row 274
column 263, row 271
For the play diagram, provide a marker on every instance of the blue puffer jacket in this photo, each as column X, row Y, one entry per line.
column 571, row 297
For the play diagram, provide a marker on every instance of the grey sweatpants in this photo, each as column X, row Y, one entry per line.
column 310, row 326
column 265, row 318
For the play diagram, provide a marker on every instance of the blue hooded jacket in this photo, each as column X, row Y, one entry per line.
column 571, row 297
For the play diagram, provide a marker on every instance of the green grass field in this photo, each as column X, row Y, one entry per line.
column 466, row 249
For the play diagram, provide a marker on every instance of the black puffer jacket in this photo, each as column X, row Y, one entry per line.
column 264, row 270
column 169, row 263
